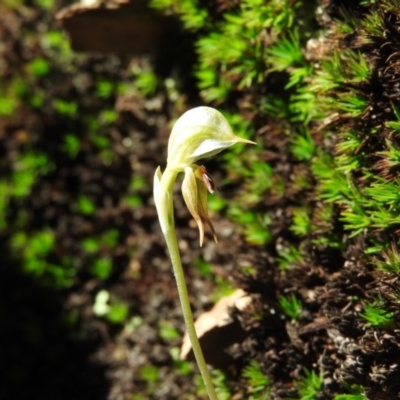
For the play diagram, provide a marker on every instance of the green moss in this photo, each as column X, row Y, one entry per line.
column 65, row 108
column 39, row 67
column 377, row 316
column 291, row 306
column 35, row 251
column 85, row 205
column 101, row 267
column 318, row 93
column 310, row 386
column 71, row 145
column 257, row 382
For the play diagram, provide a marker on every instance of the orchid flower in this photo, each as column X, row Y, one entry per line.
column 198, row 133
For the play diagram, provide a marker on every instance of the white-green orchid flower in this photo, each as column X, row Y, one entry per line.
column 199, row 133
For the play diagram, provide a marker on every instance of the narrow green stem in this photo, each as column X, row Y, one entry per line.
column 168, row 180
column 172, row 244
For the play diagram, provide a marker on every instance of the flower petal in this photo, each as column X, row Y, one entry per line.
column 198, row 133
column 202, row 193
column 159, row 199
column 190, row 195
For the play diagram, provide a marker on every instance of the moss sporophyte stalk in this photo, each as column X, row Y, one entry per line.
column 198, row 133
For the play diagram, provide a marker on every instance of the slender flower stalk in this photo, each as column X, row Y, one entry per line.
column 199, row 133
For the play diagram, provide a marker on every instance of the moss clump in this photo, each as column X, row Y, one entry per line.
column 319, row 83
